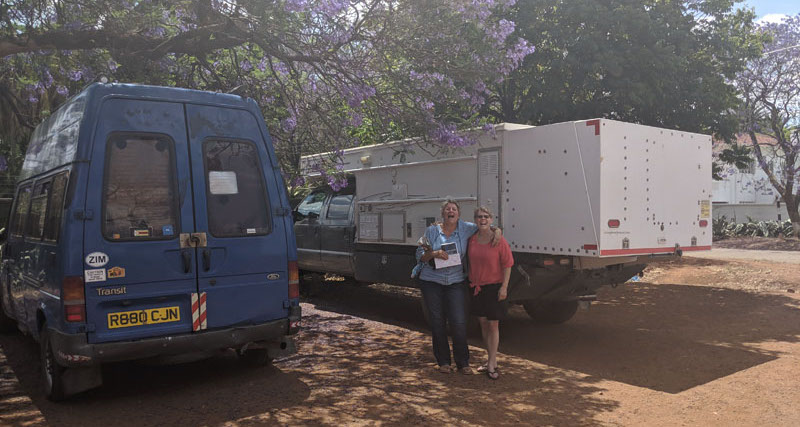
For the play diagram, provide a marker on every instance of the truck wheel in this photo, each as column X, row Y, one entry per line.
column 52, row 372
column 551, row 311
column 255, row 357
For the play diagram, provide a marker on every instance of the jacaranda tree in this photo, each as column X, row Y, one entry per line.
column 328, row 74
column 770, row 88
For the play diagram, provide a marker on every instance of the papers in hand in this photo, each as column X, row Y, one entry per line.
column 453, row 258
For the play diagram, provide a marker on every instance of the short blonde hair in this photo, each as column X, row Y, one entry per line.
column 449, row 200
column 482, row 209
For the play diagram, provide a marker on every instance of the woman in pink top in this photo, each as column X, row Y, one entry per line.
column 489, row 271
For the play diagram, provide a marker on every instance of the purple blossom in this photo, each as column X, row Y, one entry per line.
column 298, row 181
column 245, row 65
column 337, row 183
column 500, row 31
column 357, row 94
column 448, row 135
column 295, row 5
column 47, row 78
column 356, row 119
column 112, row 65
column 63, row 91
column 288, row 124
column 75, row 75
column 155, row 32
column 262, row 65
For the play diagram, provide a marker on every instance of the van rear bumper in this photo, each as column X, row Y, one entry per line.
column 73, row 350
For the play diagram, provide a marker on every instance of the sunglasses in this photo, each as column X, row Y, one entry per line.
column 482, row 216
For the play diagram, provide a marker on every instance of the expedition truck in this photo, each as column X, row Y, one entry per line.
column 149, row 223
column 582, row 204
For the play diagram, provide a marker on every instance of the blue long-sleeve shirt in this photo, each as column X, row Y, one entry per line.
column 447, row 275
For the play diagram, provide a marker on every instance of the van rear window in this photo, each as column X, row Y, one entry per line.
column 236, row 196
column 139, row 200
column 35, row 224
column 20, row 210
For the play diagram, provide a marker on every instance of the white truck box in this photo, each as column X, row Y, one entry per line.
column 592, row 188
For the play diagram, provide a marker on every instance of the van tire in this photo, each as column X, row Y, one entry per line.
column 553, row 312
column 256, row 357
column 52, row 372
column 7, row 323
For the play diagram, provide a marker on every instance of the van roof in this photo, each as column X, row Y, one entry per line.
column 162, row 92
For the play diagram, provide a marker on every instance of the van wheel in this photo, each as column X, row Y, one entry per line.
column 7, row 324
column 52, row 372
column 553, row 312
column 255, row 357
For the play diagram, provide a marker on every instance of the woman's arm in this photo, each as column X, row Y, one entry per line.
column 503, row 292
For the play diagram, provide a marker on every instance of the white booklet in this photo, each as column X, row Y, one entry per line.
column 453, row 258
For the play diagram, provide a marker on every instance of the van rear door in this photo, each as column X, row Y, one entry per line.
column 139, row 282
column 242, row 252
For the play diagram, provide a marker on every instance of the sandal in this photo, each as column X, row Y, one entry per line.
column 493, row 375
column 485, row 368
column 445, row 369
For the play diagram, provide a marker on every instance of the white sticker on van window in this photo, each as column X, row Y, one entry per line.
column 222, row 182
column 97, row 275
column 251, row 231
column 96, row 259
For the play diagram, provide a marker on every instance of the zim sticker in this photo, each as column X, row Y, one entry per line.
column 116, row 272
column 141, row 233
column 96, row 259
column 97, row 275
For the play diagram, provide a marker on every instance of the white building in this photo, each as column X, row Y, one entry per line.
column 748, row 192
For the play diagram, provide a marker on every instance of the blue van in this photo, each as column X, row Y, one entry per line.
column 149, row 222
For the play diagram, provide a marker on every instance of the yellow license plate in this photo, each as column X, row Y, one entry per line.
column 148, row 316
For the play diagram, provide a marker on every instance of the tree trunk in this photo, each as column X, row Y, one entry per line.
column 794, row 214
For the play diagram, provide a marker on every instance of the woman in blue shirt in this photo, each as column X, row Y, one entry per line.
column 444, row 289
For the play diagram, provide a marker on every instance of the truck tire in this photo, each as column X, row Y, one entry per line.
column 52, row 372
column 552, row 312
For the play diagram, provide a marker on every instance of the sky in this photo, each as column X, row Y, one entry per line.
column 773, row 10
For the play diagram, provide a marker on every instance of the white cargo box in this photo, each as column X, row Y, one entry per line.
column 594, row 188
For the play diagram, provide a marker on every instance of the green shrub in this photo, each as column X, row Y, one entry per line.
column 723, row 228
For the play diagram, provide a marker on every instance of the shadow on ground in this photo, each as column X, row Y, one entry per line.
column 667, row 338
column 210, row 391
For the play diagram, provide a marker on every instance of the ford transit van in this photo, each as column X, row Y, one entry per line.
column 149, row 222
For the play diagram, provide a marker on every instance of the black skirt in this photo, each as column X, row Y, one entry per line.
column 485, row 304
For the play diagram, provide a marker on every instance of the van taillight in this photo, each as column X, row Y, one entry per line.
column 294, row 280
column 74, row 299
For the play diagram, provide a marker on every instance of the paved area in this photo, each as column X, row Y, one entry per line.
column 791, row 257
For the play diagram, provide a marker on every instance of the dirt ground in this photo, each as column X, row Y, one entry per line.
column 695, row 342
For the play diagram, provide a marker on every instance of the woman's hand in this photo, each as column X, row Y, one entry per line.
column 502, row 293
column 441, row 254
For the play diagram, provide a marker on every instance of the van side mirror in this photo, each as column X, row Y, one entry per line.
column 313, row 215
column 3, row 235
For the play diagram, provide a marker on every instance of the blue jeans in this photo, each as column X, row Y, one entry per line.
column 447, row 301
